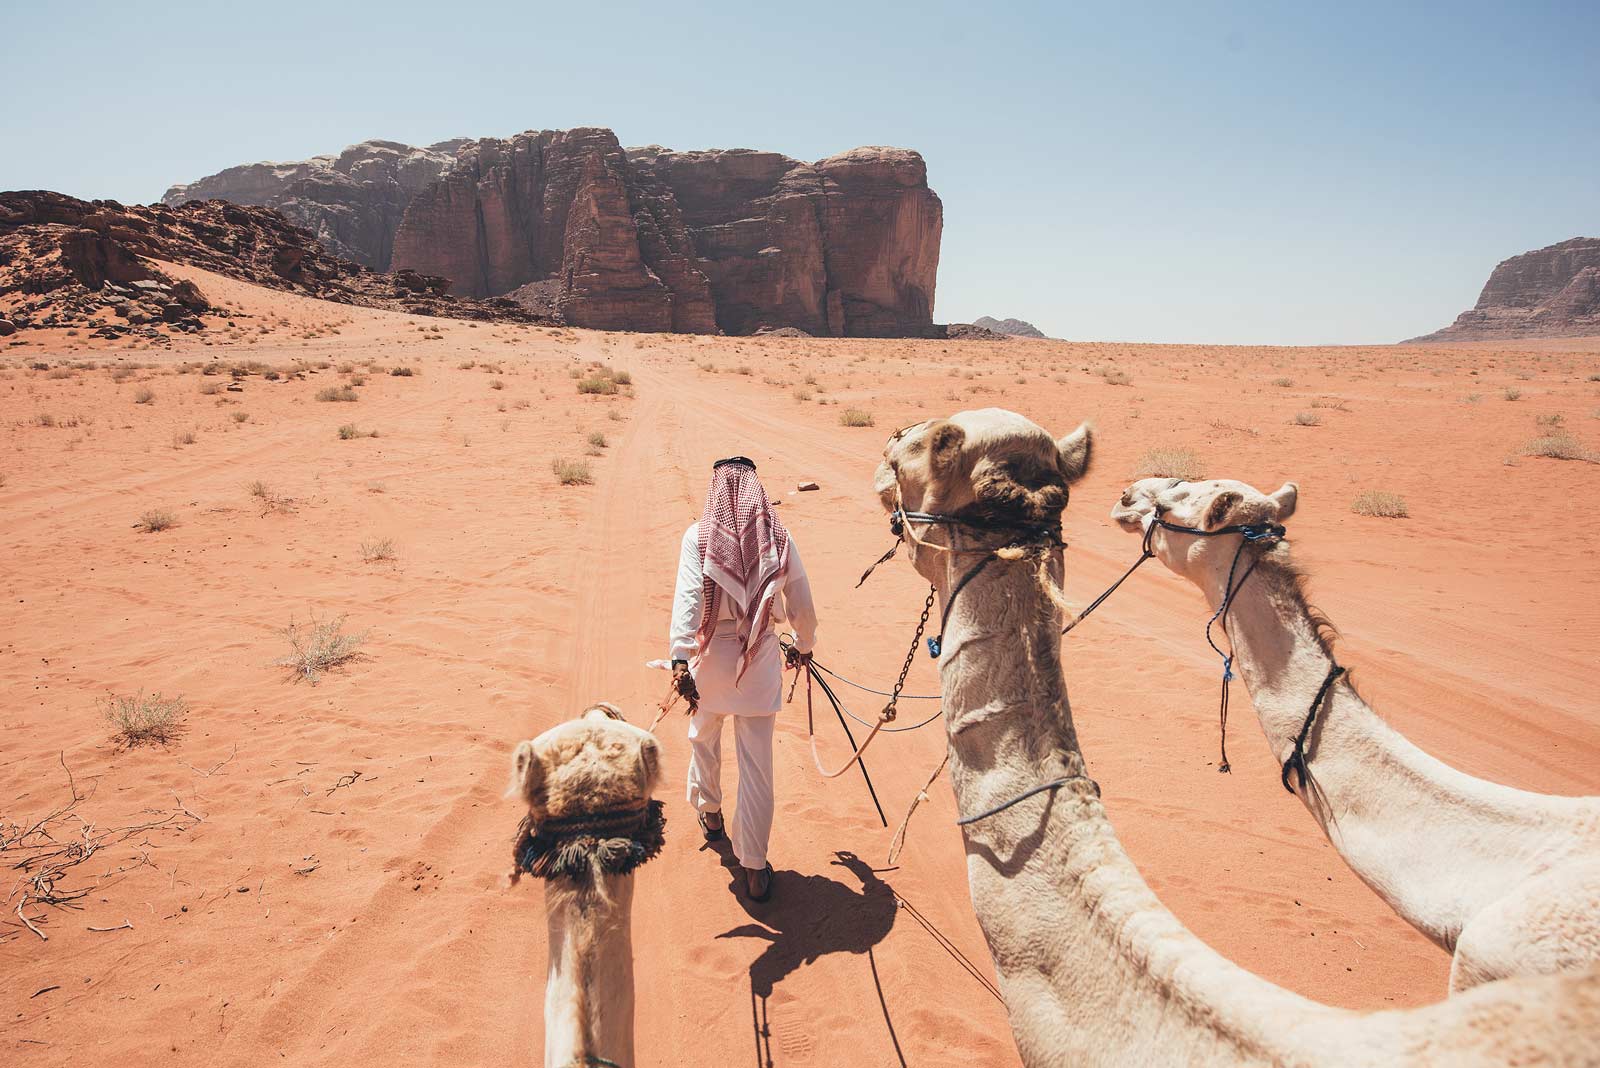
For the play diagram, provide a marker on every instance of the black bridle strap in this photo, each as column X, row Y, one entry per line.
column 1297, row 759
column 1030, row 792
column 1145, row 553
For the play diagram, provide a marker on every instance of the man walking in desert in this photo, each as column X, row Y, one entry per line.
column 739, row 573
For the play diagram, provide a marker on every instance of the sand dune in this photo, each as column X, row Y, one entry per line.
column 329, row 888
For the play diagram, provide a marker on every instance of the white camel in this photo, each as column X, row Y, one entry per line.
column 1094, row 970
column 1506, row 880
column 590, row 822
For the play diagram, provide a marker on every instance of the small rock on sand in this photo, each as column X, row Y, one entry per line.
column 805, row 486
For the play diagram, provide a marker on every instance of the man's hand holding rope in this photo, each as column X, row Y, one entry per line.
column 683, row 684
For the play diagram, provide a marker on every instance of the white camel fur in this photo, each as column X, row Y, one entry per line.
column 1094, row 970
column 594, row 764
column 1506, row 880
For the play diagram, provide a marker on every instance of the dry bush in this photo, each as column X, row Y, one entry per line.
column 316, row 646
column 375, row 550
column 144, row 396
column 467, row 365
column 180, row 438
column 349, row 432
column 1336, row 403
column 1554, row 419
column 44, row 419
column 1379, row 503
column 153, row 520
column 240, row 417
column 1168, row 462
column 1115, row 377
column 744, row 369
column 1512, row 394
column 144, row 719
column 1307, row 419
column 60, row 373
column 611, row 414
column 1283, row 383
column 597, row 439
column 597, row 384
column 623, row 378
column 802, row 395
column 271, row 500
column 210, row 389
column 572, row 472
column 1560, row 445
column 402, row 372
column 337, row 393
column 497, row 383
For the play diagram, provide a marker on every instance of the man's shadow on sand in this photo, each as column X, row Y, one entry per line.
column 808, row 917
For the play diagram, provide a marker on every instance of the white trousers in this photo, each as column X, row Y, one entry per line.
column 751, row 825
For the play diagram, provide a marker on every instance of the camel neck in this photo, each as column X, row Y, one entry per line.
column 1367, row 782
column 1093, row 968
column 588, row 1007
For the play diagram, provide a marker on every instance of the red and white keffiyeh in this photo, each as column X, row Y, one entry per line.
column 744, row 548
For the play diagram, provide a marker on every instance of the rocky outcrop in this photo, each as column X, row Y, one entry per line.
column 1551, row 292
column 62, row 260
column 643, row 239
column 352, row 202
column 1013, row 327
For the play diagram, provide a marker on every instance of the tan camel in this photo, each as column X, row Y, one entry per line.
column 1094, row 970
column 1507, row 880
column 590, row 822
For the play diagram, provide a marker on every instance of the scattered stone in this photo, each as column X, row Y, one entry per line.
column 806, row 487
column 7, row 328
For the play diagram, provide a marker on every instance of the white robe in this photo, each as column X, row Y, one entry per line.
column 752, row 703
column 761, row 691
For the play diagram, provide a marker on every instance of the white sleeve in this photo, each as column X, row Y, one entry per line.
column 799, row 611
column 687, row 598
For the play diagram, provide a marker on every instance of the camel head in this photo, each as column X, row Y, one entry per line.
column 986, row 464
column 593, row 763
column 1207, row 505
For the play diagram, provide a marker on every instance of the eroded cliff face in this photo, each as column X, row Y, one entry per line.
column 641, row 239
column 1550, row 292
column 352, row 202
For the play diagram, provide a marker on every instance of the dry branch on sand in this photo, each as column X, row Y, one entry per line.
column 48, row 852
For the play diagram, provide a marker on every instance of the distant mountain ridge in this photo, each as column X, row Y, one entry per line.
column 1549, row 292
column 721, row 241
column 1014, row 327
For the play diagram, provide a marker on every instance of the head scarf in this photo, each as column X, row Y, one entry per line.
column 744, row 548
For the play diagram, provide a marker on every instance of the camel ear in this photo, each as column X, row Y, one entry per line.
column 527, row 774
column 1284, row 500
column 1221, row 507
column 944, row 448
column 649, row 765
column 1075, row 450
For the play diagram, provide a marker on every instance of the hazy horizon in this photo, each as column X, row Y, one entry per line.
column 1235, row 175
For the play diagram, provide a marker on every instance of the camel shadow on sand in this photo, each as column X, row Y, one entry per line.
column 809, row 917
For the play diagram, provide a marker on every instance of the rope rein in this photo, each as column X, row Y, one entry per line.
column 1297, row 759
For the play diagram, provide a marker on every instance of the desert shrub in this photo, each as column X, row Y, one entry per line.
column 467, row 365
column 1168, row 462
column 337, row 393
column 44, row 419
column 241, row 417
column 1379, row 503
column 597, row 384
column 144, row 719
column 60, row 373
column 374, row 550
column 1283, row 382
column 1307, row 419
column 180, row 438
column 1336, row 403
column 153, row 520
column 316, row 646
column 597, row 439
column 572, row 472
column 856, row 417
column 1553, row 419
column 802, row 395
column 611, row 413
column 144, row 395
column 349, row 432
column 497, row 383
column 402, row 372
column 1115, row 377
column 210, row 389
column 1512, row 394
column 271, row 500
column 1560, row 445
column 744, row 369
column 623, row 378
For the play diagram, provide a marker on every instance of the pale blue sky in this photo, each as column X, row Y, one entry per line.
column 1202, row 172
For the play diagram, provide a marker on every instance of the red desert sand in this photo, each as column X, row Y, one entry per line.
column 327, row 886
